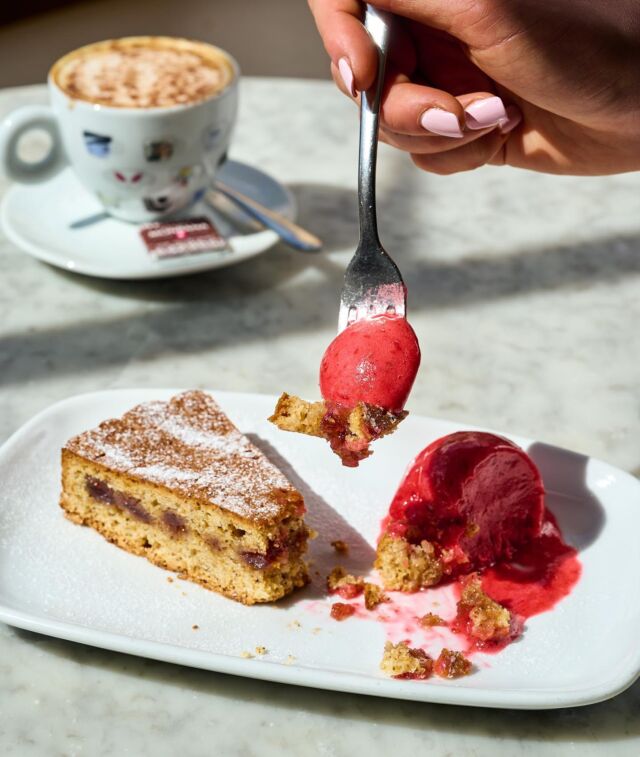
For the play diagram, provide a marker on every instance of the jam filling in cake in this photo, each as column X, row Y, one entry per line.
column 366, row 375
column 177, row 483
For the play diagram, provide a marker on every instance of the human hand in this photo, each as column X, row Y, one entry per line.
column 550, row 87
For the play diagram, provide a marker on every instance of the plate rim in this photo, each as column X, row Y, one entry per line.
column 442, row 693
column 266, row 238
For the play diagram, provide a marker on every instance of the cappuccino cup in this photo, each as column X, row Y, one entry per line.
column 144, row 122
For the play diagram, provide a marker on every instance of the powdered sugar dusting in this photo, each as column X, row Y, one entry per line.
column 189, row 445
column 166, row 473
column 233, row 442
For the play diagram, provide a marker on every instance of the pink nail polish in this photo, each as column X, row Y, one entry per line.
column 482, row 114
column 441, row 122
column 347, row 76
column 514, row 116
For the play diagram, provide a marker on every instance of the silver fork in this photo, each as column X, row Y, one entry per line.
column 372, row 282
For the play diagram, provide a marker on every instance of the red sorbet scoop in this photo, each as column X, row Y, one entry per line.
column 474, row 493
column 374, row 360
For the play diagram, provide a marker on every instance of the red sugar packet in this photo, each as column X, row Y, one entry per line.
column 189, row 236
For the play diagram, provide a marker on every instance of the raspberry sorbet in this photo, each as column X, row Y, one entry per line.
column 375, row 360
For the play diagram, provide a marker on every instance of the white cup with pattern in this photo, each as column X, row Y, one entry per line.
column 143, row 121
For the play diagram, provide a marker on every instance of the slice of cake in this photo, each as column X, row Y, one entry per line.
column 177, row 483
column 349, row 430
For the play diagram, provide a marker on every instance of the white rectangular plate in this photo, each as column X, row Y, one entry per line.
column 59, row 579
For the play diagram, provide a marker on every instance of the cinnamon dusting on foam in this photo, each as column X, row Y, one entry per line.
column 143, row 72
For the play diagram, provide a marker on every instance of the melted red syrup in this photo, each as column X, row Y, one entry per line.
column 540, row 575
column 535, row 580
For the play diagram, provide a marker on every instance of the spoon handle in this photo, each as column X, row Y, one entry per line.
column 377, row 24
column 287, row 230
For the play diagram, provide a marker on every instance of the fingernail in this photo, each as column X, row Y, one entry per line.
column 347, row 76
column 484, row 113
column 514, row 116
column 441, row 122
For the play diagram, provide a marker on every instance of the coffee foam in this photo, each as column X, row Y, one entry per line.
column 143, row 72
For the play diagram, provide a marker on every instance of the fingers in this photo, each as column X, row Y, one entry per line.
column 418, row 110
column 477, row 148
column 444, row 134
column 488, row 148
column 428, row 145
column 483, row 139
column 413, row 115
column 413, row 109
column 350, row 48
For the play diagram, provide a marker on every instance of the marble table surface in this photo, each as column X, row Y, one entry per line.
column 525, row 294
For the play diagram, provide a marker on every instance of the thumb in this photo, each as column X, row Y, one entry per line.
column 351, row 49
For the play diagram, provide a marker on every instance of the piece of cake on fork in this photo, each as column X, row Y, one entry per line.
column 177, row 483
column 349, row 430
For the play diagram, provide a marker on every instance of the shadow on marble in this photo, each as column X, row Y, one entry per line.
column 285, row 292
column 614, row 720
column 580, row 512
column 322, row 518
column 478, row 280
column 330, row 212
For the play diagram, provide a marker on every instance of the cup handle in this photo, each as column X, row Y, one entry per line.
column 13, row 127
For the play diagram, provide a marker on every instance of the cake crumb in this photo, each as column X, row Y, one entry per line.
column 373, row 596
column 246, row 655
column 261, row 650
column 341, row 610
column 295, row 624
column 480, row 616
column 170, row 579
column 290, row 660
column 431, row 619
column 400, row 661
column 452, row 664
column 349, row 430
column 407, row 567
column 195, row 626
column 341, row 547
column 472, row 529
column 343, row 583
column 316, row 631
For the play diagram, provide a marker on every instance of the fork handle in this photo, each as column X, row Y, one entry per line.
column 377, row 24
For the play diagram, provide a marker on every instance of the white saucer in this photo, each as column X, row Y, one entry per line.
column 59, row 222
